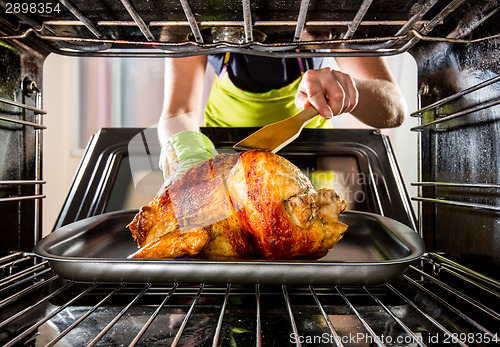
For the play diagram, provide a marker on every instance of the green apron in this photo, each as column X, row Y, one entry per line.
column 230, row 106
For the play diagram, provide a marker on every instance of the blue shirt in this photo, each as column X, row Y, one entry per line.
column 259, row 74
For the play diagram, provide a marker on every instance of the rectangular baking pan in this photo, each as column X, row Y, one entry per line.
column 375, row 250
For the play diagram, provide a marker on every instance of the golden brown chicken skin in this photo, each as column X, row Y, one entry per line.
column 250, row 205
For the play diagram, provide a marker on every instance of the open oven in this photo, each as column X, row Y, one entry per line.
column 451, row 294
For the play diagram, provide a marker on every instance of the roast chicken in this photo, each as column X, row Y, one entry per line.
column 249, row 205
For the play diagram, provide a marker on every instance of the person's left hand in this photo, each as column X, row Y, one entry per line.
column 330, row 91
column 183, row 150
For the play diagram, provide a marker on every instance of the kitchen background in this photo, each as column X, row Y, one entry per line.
column 82, row 95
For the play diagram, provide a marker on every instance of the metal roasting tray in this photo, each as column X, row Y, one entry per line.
column 375, row 250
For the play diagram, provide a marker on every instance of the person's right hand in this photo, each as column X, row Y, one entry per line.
column 330, row 91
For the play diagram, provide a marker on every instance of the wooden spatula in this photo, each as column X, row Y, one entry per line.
column 274, row 137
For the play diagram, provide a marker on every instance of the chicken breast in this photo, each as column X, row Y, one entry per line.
column 250, row 205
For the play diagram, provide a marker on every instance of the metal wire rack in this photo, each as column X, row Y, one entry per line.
column 23, row 117
column 191, row 29
column 437, row 301
column 436, row 119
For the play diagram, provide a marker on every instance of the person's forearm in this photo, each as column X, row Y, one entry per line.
column 381, row 104
column 183, row 92
column 183, row 89
column 168, row 126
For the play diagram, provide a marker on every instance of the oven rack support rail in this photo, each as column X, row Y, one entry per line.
column 442, row 122
column 410, row 31
column 451, row 290
column 10, row 115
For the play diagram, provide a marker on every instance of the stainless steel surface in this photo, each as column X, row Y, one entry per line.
column 24, row 197
column 417, row 33
column 192, row 21
column 374, row 250
column 18, row 121
column 258, row 23
column 418, row 309
column 399, row 183
column 37, row 213
column 299, row 28
column 20, row 136
column 21, row 105
column 189, row 48
column 14, row 182
column 82, row 18
column 163, row 25
column 247, row 20
column 461, row 185
column 455, row 96
column 138, row 20
column 459, row 149
column 353, row 26
column 37, row 127
column 485, row 11
column 467, row 111
column 449, row 9
column 482, row 207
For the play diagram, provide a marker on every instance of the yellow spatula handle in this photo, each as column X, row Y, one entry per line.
column 306, row 115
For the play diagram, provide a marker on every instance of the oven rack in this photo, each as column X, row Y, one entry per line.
column 10, row 114
column 37, row 126
column 435, row 119
column 443, row 117
column 436, row 299
column 246, row 35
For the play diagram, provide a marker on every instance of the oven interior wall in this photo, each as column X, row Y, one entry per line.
column 20, row 142
column 460, row 152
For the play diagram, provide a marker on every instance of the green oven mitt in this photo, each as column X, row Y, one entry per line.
column 182, row 151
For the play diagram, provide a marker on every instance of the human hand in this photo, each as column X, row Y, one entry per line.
column 330, row 91
column 182, row 151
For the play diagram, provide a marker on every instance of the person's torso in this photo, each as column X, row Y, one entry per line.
column 253, row 91
column 259, row 74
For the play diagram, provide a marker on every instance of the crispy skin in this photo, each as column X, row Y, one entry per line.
column 227, row 241
column 277, row 206
column 251, row 205
column 198, row 199
column 330, row 206
column 175, row 244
